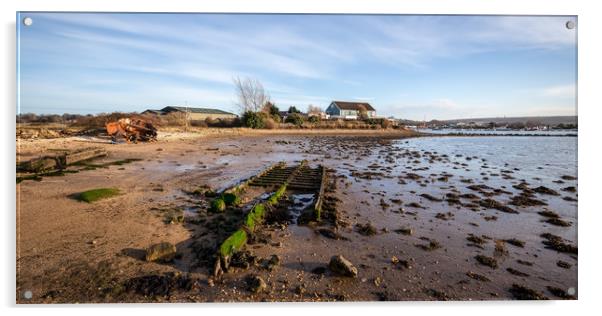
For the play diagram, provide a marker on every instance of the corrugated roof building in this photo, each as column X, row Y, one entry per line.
column 194, row 113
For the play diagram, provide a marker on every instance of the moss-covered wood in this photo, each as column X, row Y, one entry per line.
column 232, row 244
column 320, row 197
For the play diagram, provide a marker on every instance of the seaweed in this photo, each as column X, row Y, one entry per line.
column 230, row 199
column 557, row 243
column 477, row 276
column 545, row 190
column 487, row 261
column 558, row 222
column 516, row 272
column 475, row 239
column 563, row 264
column 404, row 231
column 432, row 245
column 430, row 197
column 548, row 214
column 439, row 295
column 523, row 262
column 218, row 205
column 94, row 195
column 524, row 293
column 558, row 292
column 526, row 199
column 515, row 242
column 493, row 204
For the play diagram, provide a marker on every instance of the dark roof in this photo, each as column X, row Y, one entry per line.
column 353, row 105
column 158, row 112
column 194, row 110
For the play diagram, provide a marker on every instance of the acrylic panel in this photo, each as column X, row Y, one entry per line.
column 191, row 157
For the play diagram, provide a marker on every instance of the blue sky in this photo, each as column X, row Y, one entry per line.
column 415, row 67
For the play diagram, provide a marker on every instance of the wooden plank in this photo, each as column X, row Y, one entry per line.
column 245, row 183
column 71, row 158
column 61, row 160
column 319, row 199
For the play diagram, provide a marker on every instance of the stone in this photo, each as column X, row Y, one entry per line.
column 341, row 266
column 274, row 260
column 164, row 251
column 256, row 284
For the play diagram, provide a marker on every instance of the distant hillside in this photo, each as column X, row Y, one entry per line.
column 547, row 120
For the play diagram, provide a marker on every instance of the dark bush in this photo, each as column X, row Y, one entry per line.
column 253, row 119
column 295, row 119
column 231, row 199
column 293, row 109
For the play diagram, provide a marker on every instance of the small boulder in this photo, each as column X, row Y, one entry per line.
column 274, row 260
column 341, row 266
column 256, row 284
column 164, row 251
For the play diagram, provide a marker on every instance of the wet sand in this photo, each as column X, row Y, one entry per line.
column 430, row 227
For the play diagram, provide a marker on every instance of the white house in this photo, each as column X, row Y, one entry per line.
column 350, row 110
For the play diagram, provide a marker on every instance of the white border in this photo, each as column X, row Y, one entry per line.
column 589, row 147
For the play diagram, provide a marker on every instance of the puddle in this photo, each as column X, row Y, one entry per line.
column 191, row 211
column 300, row 203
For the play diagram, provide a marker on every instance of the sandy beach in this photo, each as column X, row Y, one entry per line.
column 418, row 224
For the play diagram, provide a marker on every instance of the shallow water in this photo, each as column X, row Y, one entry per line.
column 498, row 162
column 545, row 157
column 572, row 132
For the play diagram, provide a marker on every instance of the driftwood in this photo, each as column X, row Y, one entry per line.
column 61, row 160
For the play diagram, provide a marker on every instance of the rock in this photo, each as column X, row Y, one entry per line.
column 394, row 260
column 256, row 284
column 377, row 281
column 366, row 229
column 274, row 260
column 164, row 251
column 271, row 263
column 341, row 266
column 300, row 290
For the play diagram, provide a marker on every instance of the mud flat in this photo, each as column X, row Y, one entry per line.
column 406, row 213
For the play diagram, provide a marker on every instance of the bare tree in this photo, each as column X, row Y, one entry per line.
column 363, row 112
column 251, row 94
column 315, row 110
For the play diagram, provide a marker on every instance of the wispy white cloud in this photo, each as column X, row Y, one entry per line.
column 156, row 58
column 276, row 50
column 417, row 40
column 560, row 91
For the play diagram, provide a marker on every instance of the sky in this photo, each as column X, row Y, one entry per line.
column 413, row 67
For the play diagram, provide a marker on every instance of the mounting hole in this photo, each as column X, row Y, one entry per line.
column 27, row 295
column 27, row 21
column 571, row 291
column 570, row 25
